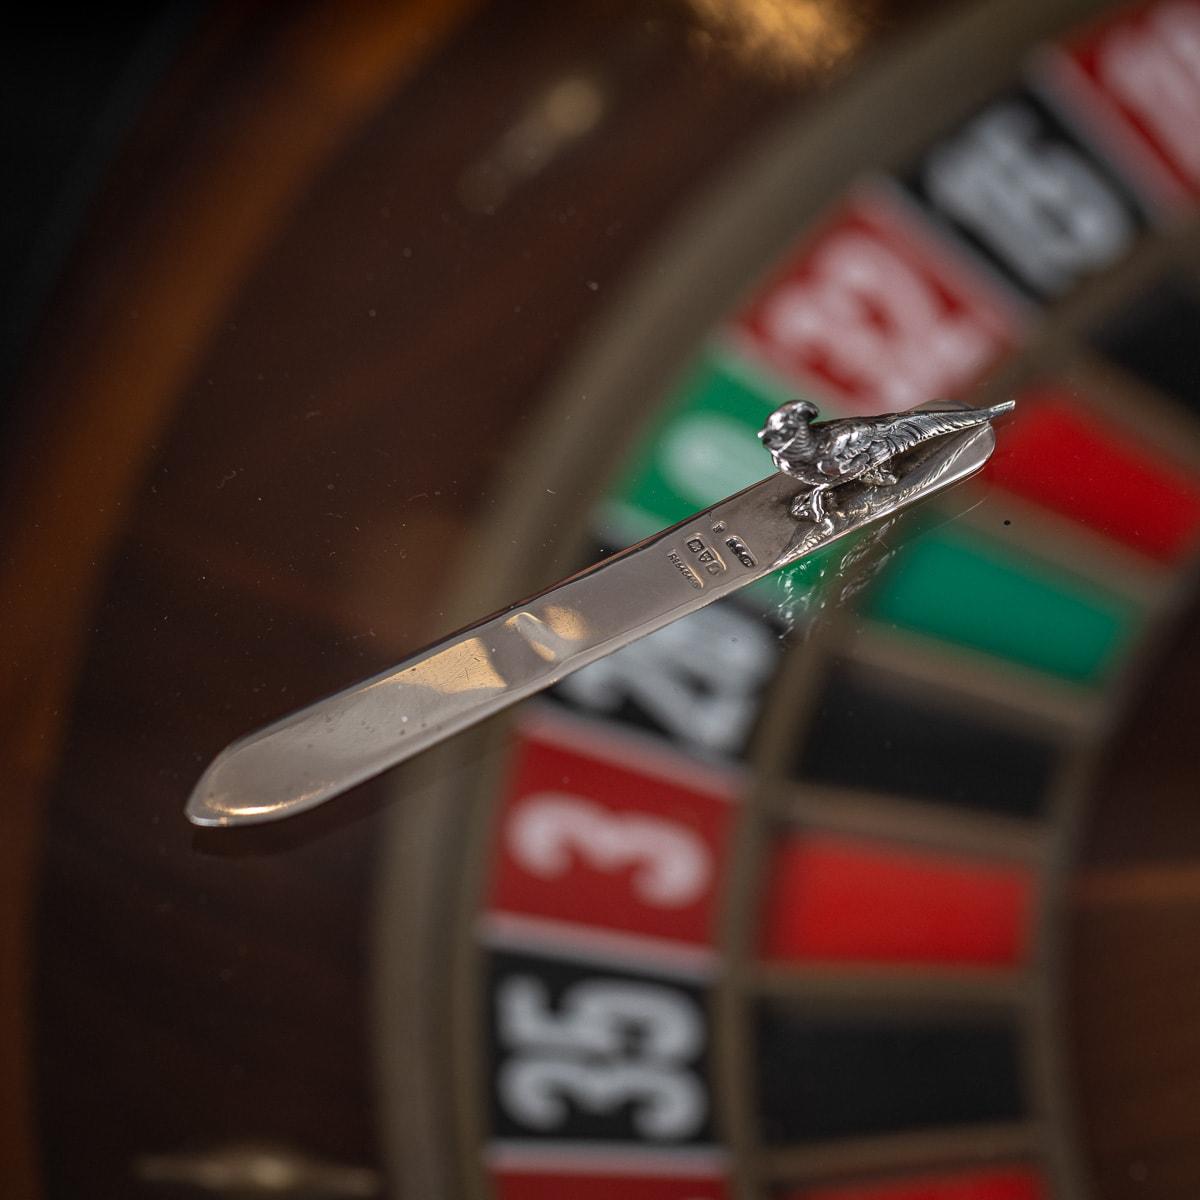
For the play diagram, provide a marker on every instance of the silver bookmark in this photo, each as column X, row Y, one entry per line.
column 833, row 478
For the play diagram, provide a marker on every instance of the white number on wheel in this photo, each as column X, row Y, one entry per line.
column 611, row 1043
column 1036, row 203
column 870, row 315
column 699, row 678
column 548, row 830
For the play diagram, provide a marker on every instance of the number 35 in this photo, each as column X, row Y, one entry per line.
column 611, row 1043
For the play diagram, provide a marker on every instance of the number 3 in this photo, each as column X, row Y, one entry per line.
column 673, row 863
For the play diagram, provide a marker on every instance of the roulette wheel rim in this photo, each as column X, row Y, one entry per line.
column 721, row 248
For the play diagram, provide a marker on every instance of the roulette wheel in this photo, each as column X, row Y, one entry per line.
column 874, row 882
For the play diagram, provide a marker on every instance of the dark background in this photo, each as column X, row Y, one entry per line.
column 71, row 85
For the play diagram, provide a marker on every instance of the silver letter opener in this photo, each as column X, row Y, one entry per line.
column 833, row 478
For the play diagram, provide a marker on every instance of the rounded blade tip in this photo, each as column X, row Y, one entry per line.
column 198, row 814
column 203, row 808
column 207, row 805
column 213, row 812
column 229, row 794
column 213, row 804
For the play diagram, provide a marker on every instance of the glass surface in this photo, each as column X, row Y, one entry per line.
column 874, row 882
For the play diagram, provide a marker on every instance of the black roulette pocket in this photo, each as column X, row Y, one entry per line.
column 874, row 881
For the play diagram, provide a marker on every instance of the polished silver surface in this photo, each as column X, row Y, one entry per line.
column 852, row 473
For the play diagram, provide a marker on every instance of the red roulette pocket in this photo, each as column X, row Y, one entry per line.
column 872, row 313
column 1145, row 502
column 513, row 1185
column 833, row 899
column 1002, row 1184
column 607, row 832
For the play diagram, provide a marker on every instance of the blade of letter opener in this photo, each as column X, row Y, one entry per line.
column 315, row 754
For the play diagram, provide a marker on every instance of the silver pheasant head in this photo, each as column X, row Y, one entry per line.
column 788, row 433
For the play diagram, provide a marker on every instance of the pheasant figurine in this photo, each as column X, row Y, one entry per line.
column 827, row 454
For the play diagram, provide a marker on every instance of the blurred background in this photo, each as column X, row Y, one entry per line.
column 332, row 327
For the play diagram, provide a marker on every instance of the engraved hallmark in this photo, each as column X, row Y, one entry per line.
column 741, row 552
column 685, row 570
column 708, row 558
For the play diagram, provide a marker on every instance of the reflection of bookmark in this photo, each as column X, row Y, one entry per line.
column 853, row 472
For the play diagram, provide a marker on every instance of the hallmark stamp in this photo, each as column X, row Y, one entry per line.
column 706, row 557
column 741, row 551
column 685, row 570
